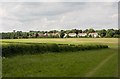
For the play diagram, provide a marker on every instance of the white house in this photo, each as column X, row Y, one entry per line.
column 40, row 34
column 72, row 34
column 82, row 34
column 94, row 34
column 65, row 35
column 45, row 34
column 56, row 34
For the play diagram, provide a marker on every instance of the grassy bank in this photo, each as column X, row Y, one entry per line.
column 71, row 64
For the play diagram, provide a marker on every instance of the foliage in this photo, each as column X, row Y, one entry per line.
column 62, row 34
column 102, row 33
column 32, row 48
column 59, row 34
column 91, row 30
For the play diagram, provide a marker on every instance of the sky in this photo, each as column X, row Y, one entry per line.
column 41, row 16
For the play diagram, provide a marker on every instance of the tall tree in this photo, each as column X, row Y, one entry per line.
column 91, row 30
column 110, row 33
column 62, row 34
column 102, row 33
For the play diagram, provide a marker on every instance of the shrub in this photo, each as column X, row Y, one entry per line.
column 53, row 48
column 17, row 48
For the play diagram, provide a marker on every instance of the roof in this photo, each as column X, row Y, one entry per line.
column 72, row 33
column 93, row 33
column 82, row 33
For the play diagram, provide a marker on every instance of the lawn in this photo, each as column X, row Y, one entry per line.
column 92, row 63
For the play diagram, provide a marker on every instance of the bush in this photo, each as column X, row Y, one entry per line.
column 27, row 48
column 53, row 48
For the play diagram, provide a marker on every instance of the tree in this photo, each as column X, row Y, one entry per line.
column 90, row 36
column 67, row 31
column 12, row 35
column 80, row 31
column 85, row 31
column 102, row 33
column 36, row 35
column 91, row 30
column 62, row 34
column 116, row 36
column 19, row 34
column 110, row 33
column 25, row 35
column 76, row 31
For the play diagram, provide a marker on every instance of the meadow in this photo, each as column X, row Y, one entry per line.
column 88, row 63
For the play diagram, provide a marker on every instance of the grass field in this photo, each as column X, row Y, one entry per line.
column 90, row 63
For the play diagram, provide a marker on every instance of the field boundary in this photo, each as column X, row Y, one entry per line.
column 17, row 48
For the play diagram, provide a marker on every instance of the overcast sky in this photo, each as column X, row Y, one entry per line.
column 27, row 16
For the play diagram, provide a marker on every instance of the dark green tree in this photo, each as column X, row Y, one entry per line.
column 85, row 31
column 102, row 33
column 62, row 34
column 91, row 30
column 110, row 33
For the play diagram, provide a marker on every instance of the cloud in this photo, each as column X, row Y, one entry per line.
column 114, row 16
column 59, row 0
column 27, row 16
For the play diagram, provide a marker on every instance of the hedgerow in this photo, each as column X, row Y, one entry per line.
column 18, row 48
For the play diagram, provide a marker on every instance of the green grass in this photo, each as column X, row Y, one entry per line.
column 109, row 66
column 66, row 40
column 66, row 64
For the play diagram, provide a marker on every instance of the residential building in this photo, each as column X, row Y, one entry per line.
column 94, row 34
column 72, row 34
column 82, row 34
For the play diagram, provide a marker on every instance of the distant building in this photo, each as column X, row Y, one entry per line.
column 72, row 34
column 40, row 34
column 65, row 35
column 52, row 34
column 82, row 34
column 45, row 34
column 94, row 34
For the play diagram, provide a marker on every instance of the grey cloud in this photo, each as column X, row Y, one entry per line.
column 58, row 15
column 59, row 1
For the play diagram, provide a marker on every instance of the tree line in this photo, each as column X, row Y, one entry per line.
column 109, row 33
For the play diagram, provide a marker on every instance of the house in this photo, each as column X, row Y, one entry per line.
column 53, row 34
column 72, row 34
column 40, row 34
column 94, row 34
column 82, row 34
column 65, row 35
column 45, row 34
column 56, row 34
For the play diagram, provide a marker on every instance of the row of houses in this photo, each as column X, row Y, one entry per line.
column 46, row 34
column 69, row 35
column 83, row 35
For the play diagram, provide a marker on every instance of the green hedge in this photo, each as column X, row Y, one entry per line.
column 18, row 48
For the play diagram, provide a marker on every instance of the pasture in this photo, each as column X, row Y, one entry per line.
column 89, row 63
